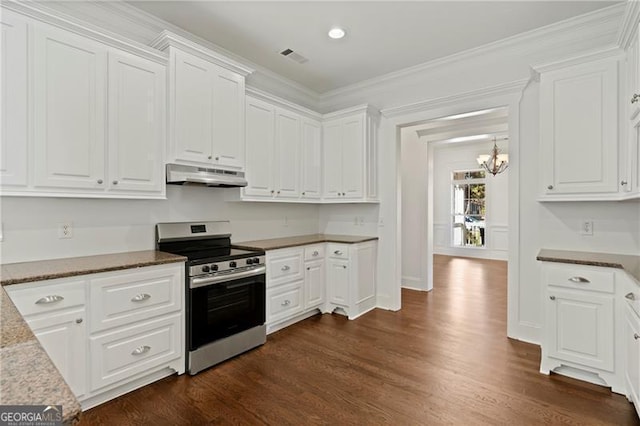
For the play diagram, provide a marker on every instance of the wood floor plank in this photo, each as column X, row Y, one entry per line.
column 443, row 359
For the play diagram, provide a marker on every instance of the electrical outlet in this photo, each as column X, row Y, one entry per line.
column 355, row 220
column 586, row 227
column 361, row 220
column 65, row 230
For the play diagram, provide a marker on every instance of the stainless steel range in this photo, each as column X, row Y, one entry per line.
column 225, row 291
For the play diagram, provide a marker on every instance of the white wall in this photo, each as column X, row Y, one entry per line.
column 450, row 157
column 351, row 219
column 109, row 226
column 414, row 174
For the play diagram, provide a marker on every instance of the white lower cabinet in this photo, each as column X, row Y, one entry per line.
column 582, row 333
column 319, row 277
column 109, row 333
column 632, row 356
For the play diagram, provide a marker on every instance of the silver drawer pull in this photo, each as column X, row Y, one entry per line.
column 141, row 297
column 552, row 297
column 579, row 280
column 338, row 252
column 635, row 336
column 141, row 350
column 315, row 253
column 285, row 268
column 286, row 303
column 49, row 299
column 630, row 296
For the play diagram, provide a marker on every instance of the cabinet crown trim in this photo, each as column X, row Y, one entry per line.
column 612, row 52
column 364, row 108
column 168, row 39
column 41, row 13
column 268, row 97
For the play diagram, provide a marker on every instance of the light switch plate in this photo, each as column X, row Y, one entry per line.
column 586, row 227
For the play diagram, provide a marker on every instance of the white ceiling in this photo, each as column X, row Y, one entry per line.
column 382, row 37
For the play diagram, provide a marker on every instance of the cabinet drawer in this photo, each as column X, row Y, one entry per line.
column 582, row 278
column 314, row 252
column 121, row 354
column 284, row 266
column 124, row 298
column 47, row 296
column 338, row 251
column 283, row 301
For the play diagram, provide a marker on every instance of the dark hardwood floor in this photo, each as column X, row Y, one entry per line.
column 443, row 359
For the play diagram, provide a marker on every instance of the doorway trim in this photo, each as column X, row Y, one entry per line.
column 393, row 120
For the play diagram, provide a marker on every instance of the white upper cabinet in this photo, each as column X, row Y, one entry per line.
column 69, row 77
column 136, row 123
column 311, row 147
column 13, row 99
column 579, row 131
column 630, row 154
column 96, row 113
column 632, row 91
column 207, row 105
column 260, row 134
column 350, row 155
column 283, row 151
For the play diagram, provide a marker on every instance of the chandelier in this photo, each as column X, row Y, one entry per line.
column 495, row 162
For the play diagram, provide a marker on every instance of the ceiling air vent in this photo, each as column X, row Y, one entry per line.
column 294, row 56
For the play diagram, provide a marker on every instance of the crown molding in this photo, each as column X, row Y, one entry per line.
column 602, row 24
column 358, row 109
column 607, row 53
column 630, row 23
column 498, row 90
column 281, row 102
column 167, row 39
column 42, row 13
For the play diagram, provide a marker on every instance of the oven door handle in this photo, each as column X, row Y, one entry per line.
column 201, row 282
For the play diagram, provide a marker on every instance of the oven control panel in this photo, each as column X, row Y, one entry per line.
column 227, row 266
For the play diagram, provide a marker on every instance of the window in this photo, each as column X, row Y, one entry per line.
column 468, row 191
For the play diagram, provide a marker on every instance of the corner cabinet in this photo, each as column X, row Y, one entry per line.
column 579, row 131
column 97, row 114
column 283, row 151
column 350, row 155
column 207, row 105
column 109, row 333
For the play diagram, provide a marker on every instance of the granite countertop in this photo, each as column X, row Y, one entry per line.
column 301, row 240
column 15, row 273
column 27, row 375
column 629, row 263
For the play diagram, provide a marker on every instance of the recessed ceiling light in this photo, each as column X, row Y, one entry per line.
column 336, row 33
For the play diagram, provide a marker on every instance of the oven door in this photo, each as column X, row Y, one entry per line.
column 225, row 308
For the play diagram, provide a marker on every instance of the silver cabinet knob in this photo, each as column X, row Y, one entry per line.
column 303, row 193
column 141, row 350
column 272, row 191
column 141, row 297
column 552, row 297
column 217, row 158
column 550, row 187
column 79, row 321
column 285, row 302
column 308, row 268
column 285, row 268
column 635, row 98
column 100, row 181
column 635, row 336
column 315, row 253
column 115, row 182
column 344, row 193
column 49, row 299
column 630, row 296
column 209, row 157
column 623, row 182
column 278, row 193
column 579, row 280
column 344, row 266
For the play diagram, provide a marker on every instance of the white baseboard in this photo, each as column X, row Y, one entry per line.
column 477, row 253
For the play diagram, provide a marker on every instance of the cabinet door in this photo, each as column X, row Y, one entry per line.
column 69, row 109
column 632, row 358
column 633, row 158
column 13, row 100
column 287, row 157
column 260, row 132
column 581, row 328
column 353, row 157
column 332, row 159
column 633, row 76
column 63, row 337
column 579, row 137
column 314, row 283
column 311, row 159
column 338, row 281
column 136, row 123
column 228, row 118
column 193, row 109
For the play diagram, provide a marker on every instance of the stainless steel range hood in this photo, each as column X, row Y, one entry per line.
column 178, row 174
